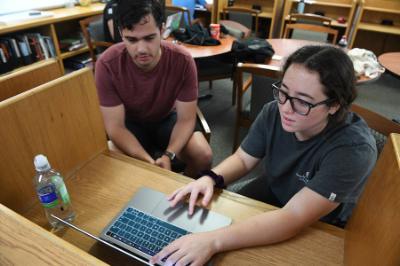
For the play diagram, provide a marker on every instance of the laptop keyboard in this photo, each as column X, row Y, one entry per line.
column 144, row 232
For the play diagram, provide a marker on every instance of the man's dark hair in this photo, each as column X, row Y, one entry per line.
column 336, row 74
column 131, row 12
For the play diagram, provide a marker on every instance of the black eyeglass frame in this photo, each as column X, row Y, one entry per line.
column 276, row 87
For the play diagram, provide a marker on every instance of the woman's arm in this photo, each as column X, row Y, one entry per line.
column 305, row 208
column 233, row 167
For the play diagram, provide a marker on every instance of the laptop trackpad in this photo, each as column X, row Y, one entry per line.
column 202, row 219
column 178, row 215
column 156, row 204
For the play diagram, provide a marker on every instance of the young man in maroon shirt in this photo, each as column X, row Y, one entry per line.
column 148, row 92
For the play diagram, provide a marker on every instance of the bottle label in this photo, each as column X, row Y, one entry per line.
column 48, row 196
column 64, row 194
column 62, row 189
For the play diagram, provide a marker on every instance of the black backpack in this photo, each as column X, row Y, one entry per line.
column 252, row 50
column 195, row 34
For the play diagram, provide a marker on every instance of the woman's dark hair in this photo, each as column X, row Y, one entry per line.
column 131, row 12
column 336, row 74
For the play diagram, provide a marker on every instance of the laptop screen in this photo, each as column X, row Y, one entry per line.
column 173, row 21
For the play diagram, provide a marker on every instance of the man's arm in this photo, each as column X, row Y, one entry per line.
column 114, row 121
column 182, row 131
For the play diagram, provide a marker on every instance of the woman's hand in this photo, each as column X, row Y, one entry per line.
column 203, row 185
column 193, row 249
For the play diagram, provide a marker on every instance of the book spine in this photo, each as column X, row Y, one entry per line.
column 50, row 45
column 43, row 47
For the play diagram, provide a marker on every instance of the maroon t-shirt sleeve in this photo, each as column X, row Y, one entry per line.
column 105, row 88
column 189, row 91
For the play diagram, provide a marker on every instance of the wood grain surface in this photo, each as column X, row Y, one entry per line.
column 102, row 187
column 25, row 243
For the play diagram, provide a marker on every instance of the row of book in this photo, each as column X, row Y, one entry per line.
column 24, row 49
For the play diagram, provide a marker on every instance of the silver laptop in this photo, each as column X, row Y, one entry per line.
column 147, row 223
column 173, row 22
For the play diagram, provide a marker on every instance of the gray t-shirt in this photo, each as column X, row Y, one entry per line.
column 335, row 163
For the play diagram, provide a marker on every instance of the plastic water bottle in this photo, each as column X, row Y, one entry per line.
column 52, row 192
column 343, row 42
column 300, row 7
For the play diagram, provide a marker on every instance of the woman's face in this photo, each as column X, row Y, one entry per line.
column 304, row 84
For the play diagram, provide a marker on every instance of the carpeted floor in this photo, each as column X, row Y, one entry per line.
column 381, row 96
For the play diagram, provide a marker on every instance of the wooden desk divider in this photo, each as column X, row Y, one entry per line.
column 60, row 119
column 25, row 243
column 372, row 234
column 28, row 77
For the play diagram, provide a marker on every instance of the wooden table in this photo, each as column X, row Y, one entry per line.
column 104, row 184
column 285, row 47
column 391, row 61
column 199, row 51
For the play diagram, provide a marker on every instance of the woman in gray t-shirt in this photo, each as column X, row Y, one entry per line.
column 317, row 157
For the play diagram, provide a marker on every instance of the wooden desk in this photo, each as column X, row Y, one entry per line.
column 102, row 186
column 25, row 243
column 198, row 51
column 391, row 61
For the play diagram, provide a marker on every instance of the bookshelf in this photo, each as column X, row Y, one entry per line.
column 329, row 8
column 270, row 10
column 62, row 23
column 369, row 26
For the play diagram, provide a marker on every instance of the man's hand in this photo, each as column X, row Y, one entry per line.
column 203, row 185
column 164, row 162
column 193, row 249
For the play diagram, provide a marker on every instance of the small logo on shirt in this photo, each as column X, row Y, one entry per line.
column 305, row 177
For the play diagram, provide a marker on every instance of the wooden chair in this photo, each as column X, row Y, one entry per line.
column 28, row 77
column 236, row 29
column 310, row 27
column 93, row 31
column 242, row 15
column 60, row 119
column 380, row 126
column 252, row 93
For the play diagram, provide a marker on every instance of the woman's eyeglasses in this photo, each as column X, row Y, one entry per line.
column 299, row 106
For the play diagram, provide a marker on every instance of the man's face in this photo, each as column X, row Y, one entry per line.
column 143, row 43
